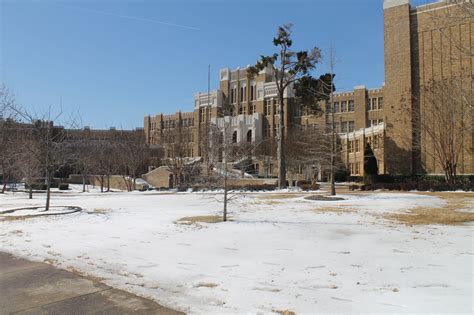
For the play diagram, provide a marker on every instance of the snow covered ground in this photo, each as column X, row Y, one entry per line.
column 279, row 252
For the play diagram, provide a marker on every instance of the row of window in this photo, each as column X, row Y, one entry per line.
column 186, row 122
column 354, row 146
column 267, row 130
column 243, row 94
column 340, row 107
column 375, row 141
column 203, row 113
column 375, row 103
column 355, row 168
column 375, row 122
column 344, row 126
column 271, row 106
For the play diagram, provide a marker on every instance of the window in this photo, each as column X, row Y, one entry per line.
column 337, row 127
column 234, row 137
column 380, row 121
column 380, row 102
column 266, row 130
column 252, row 91
column 374, row 104
column 249, row 136
column 343, row 106
column 351, row 105
column 344, row 126
column 328, row 107
column 241, row 110
column 336, row 107
column 268, row 106
column 351, row 126
column 357, row 146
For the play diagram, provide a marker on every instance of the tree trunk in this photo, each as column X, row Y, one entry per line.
column 5, row 181
column 48, row 193
column 30, row 192
column 225, row 193
column 83, row 183
column 280, row 147
column 108, row 183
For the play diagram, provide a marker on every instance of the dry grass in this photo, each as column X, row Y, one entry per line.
column 268, row 202
column 424, row 215
column 101, row 210
column 338, row 209
column 449, row 214
column 13, row 218
column 284, row 312
column 206, row 285
column 279, row 196
column 201, row 219
column 82, row 274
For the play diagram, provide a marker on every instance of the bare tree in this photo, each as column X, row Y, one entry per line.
column 52, row 154
column 134, row 157
column 266, row 153
column 106, row 153
column 84, row 159
column 9, row 128
column 457, row 12
column 444, row 124
column 28, row 166
column 177, row 147
column 287, row 67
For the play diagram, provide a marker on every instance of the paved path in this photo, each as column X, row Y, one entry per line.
column 37, row 288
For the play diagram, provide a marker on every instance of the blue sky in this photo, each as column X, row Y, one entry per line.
column 115, row 61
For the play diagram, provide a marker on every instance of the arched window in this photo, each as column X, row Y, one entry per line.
column 249, row 136
column 234, row 137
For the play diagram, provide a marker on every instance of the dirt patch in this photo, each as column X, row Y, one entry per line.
column 201, row 219
column 284, row 312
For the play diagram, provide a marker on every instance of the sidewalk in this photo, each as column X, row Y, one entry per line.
column 38, row 288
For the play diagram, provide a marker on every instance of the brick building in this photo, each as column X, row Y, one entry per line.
column 420, row 43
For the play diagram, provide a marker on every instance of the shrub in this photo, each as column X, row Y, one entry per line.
column 63, row 186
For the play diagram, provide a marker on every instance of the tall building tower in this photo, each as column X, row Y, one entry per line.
column 398, row 86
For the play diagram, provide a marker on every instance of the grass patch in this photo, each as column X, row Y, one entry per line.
column 279, row 196
column 206, row 285
column 201, row 219
column 450, row 214
column 424, row 215
column 268, row 202
column 339, row 209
